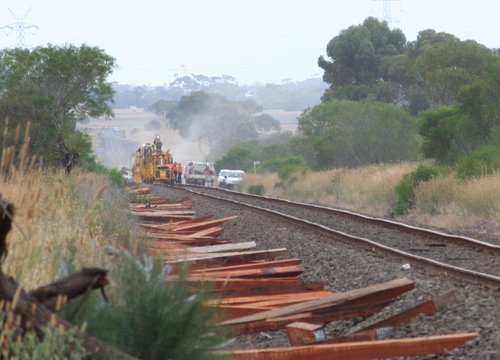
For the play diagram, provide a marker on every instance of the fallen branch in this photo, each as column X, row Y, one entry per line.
column 71, row 287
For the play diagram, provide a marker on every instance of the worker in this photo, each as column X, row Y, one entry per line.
column 174, row 169
column 179, row 173
column 157, row 142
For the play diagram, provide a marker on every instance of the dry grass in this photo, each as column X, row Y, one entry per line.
column 450, row 202
column 54, row 212
column 446, row 201
column 369, row 189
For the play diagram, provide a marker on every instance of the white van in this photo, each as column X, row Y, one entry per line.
column 229, row 178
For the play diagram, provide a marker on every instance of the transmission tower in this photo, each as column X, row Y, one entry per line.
column 19, row 27
column 387, row 14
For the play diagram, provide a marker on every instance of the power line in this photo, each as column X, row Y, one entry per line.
column 19, row 27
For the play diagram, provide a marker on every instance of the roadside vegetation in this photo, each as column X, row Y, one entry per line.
column 68, row 209
column 443, row 201
column 406, row 129
column 64, row 222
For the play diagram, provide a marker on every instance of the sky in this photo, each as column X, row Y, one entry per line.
column 259, row 41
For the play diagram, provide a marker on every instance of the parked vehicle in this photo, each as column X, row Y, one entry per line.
column 200, row 173
column 127, row 174
column 228, row 179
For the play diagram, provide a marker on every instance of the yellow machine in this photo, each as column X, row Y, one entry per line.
column 151, row 164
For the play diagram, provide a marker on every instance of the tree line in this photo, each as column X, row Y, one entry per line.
column 289, row 95
column 390, row 99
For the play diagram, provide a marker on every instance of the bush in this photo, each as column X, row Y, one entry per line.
column 149, row 317
column 290, row 168
column 257, row 189
column 481, row 162
column 405, row 190
column 55, row 343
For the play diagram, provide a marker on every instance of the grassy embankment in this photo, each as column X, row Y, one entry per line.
column 55, row 214
column 62, row 223
column 445, row 201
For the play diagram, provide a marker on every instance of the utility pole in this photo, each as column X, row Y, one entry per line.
column 387, row 14
column 19, row 27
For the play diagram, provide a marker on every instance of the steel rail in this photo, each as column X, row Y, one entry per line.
column 461, row 273
column 369, row 219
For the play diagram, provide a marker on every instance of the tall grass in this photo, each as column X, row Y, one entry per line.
column 368, row 189
column 54, row 210
column 444, row 201
column 63, row 222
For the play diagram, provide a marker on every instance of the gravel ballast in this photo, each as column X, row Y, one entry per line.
column 342, row 266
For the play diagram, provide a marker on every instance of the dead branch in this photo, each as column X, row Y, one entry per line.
column 70, row 287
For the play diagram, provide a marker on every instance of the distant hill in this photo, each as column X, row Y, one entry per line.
column 289, row 96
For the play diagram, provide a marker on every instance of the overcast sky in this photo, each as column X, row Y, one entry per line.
column 254, row 41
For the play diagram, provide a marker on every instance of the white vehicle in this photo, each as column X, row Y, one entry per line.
column 199, row 173
column 127, row 174
column 229, row 178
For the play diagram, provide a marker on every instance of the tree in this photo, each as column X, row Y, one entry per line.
column 266, row 122
column 436, row 126
column 63, row 85
column 452, row 132
column 447, row 66
column 215, row 119
column 348, row 133
column 366, row 60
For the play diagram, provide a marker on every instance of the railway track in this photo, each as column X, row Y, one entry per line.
column 463, row 257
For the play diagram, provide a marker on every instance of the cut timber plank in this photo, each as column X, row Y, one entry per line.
column 252, row 265
column 240, row 306
column 226, row 247
column 204, row 224
column 427, row 308
column 363, row 350
column 241, row 300
column 387, row 290
column 171, row 225
column 167, row 217
column 173, row 237
column 162, row 245
column 233, row 258
column 382, row 329
column 213, row 231
column 263, row 289
column 301, row 333
column 289, row 271
column 333, row 313
column 246, row 284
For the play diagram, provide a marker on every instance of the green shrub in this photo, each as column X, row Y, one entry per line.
column 290, row 169
column 483, row 161
column 256, row 189
column 149, row 317
column 116, row 177
column 54, row 343
column 405, row 190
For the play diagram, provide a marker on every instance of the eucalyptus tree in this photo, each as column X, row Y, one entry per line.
column 54, row 87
